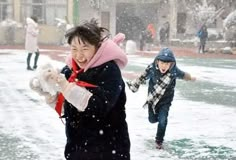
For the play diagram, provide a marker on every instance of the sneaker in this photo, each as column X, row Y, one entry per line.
column 159, row 145
column 35, row 67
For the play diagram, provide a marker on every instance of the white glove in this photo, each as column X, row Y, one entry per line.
column 74, row 94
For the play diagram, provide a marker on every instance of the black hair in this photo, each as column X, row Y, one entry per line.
column 89, row 32
column 34, row 18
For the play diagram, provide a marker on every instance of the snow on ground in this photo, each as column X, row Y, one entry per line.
column 31, row 130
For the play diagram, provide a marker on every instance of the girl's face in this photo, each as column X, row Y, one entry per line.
column 163, row 66
column 82, row 53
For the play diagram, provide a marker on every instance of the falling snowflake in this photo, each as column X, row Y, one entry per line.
column 101, row 132
column 113, row 151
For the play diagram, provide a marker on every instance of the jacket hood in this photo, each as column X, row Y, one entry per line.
column 165, row 55
column 109, row 50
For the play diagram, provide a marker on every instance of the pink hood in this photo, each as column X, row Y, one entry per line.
column 108, row 51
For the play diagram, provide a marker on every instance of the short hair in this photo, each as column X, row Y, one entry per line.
column 89, row 32
column 34, row 18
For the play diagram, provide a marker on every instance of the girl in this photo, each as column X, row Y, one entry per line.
column 31, row 41
column 96, row 127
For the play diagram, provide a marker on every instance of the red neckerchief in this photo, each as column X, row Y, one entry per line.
column 73, row 78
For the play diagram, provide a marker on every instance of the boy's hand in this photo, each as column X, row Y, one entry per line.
column 193, row 78
column 188, row 77
column 132, row 86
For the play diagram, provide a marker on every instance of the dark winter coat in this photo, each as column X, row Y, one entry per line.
column 149, row 38
column 146, row 37
column 154, row 74
column 100, row 132
column 203, row 33
column 163, row 34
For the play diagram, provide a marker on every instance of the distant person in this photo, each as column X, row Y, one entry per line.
column 167, row 26
column 151, row 34
column 164, row 34
column 202, row 35
column 162, row 75
column 145, row 39
column 149, row 40
column 31, row 41
column 92, row 91
column 142, row 40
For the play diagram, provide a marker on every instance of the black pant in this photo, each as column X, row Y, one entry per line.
column 202, row 45
column 35, row 59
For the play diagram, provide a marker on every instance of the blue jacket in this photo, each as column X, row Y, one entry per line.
column 202, row 33
column 154, row 74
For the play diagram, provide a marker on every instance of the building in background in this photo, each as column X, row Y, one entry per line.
column 129, row 17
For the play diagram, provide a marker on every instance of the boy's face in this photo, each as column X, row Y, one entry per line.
column 164, row 66
column 82, row 53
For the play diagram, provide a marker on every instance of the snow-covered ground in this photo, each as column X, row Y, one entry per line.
column 201, row 120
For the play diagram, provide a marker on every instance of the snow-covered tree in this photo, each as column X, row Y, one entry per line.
column 230, row 20
column 202, row 12
column 229, row 25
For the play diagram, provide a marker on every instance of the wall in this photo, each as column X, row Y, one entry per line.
column 86, row 12
column 48, row 35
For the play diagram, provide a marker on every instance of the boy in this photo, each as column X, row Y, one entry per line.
column 162, row 74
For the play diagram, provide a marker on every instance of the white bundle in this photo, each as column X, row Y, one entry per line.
column 43, row 81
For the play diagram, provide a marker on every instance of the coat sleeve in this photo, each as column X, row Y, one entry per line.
column 179, row 73
column 135, row 84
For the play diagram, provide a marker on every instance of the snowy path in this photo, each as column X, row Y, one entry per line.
column 23, row 116
column 30, row 130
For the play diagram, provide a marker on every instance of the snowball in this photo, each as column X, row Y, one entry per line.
column 41, row 80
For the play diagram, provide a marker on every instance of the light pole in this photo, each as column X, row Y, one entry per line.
column 75, row 11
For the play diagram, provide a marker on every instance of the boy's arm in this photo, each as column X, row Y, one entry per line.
column 134, row 85
column 188, row 77
column 184, row 75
